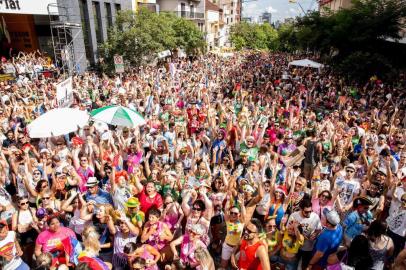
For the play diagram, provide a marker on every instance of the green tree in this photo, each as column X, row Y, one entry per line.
column 188, row 36
column 253, row 36
column 349, row 37
column 138, row 37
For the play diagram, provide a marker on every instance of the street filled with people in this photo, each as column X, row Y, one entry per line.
column 241, row 162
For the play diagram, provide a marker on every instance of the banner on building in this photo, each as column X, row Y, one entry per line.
column 64, row 93
column 119, row 63
column 34, row 7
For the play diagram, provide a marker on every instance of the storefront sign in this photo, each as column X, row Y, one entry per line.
column 37, row 7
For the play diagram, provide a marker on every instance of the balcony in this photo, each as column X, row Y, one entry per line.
column 190, row 15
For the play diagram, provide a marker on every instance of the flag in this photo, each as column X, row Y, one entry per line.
column 6, row 33
column 94, row 263
column 73, row 248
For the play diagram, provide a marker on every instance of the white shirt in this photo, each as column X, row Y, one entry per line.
column 309, row 225
column 346, row 189
column 7, row 246
column 395, row 203
column 397, row 222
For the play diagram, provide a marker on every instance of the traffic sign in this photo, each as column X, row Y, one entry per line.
column 119, row 63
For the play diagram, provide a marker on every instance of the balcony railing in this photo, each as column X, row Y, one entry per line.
column 190, row 15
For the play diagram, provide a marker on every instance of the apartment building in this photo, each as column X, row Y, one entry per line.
column 189, row 9
column 231, row 14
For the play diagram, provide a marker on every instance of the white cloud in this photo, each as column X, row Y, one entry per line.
column 272, row 10
column 293, row 10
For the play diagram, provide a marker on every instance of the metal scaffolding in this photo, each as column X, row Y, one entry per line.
column 63, row 38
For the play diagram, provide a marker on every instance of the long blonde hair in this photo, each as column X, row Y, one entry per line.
column 203, row 256
column 91, row 241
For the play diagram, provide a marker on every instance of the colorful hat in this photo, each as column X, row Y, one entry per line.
column 132, row 202
column 281, row 189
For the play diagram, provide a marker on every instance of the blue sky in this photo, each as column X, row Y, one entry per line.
column 280, row 9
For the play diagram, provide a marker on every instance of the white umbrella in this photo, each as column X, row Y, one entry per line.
column 118, row 116
column 57, row 122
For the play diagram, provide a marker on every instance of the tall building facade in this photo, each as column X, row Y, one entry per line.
column 231, row 10
column 189, row 9
column 266, row 17
column 94, row 18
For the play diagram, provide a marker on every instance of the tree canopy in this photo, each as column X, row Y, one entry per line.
column 138, row 37
column 353, row 40
column 253, row 36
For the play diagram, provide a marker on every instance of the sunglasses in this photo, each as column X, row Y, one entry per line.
column 350, row 171
column 234, row 213
column 46, row 198
column 37, row 173
column 326, row 196
column 23, row 203
column 196, row 209
column 247, row 231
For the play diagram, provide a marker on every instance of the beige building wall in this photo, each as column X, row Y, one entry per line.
column 334, row 5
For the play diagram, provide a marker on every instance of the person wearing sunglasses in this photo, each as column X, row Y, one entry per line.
column 311, row 225
column 321, row 202
column 347, row 187
column 24, row 223
column 47, row 200
column 235, row 220
column 272, row 238
column 253, row 252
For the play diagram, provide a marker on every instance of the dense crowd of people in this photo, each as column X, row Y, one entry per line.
column 243, row 163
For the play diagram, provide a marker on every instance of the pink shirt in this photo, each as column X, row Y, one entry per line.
column 318, row 209
column 52, row 241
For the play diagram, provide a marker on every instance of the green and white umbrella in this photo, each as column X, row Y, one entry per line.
column 118, row 116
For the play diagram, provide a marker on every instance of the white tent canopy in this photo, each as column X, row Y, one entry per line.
column 306, row 63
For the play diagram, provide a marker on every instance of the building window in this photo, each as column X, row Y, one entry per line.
column 118, row 7
column 97, row 22
column 84, row 18
column 109, row 15
column 182, row 9
column 192, row 11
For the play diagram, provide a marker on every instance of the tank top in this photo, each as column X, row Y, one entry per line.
column 379, row 256
column 248, row 259
column 234, row 232
column 277, row 211
column 25, row 217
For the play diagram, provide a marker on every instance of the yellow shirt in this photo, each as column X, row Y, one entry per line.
column 272, row 241
column 234, row 232
column 289, row 246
